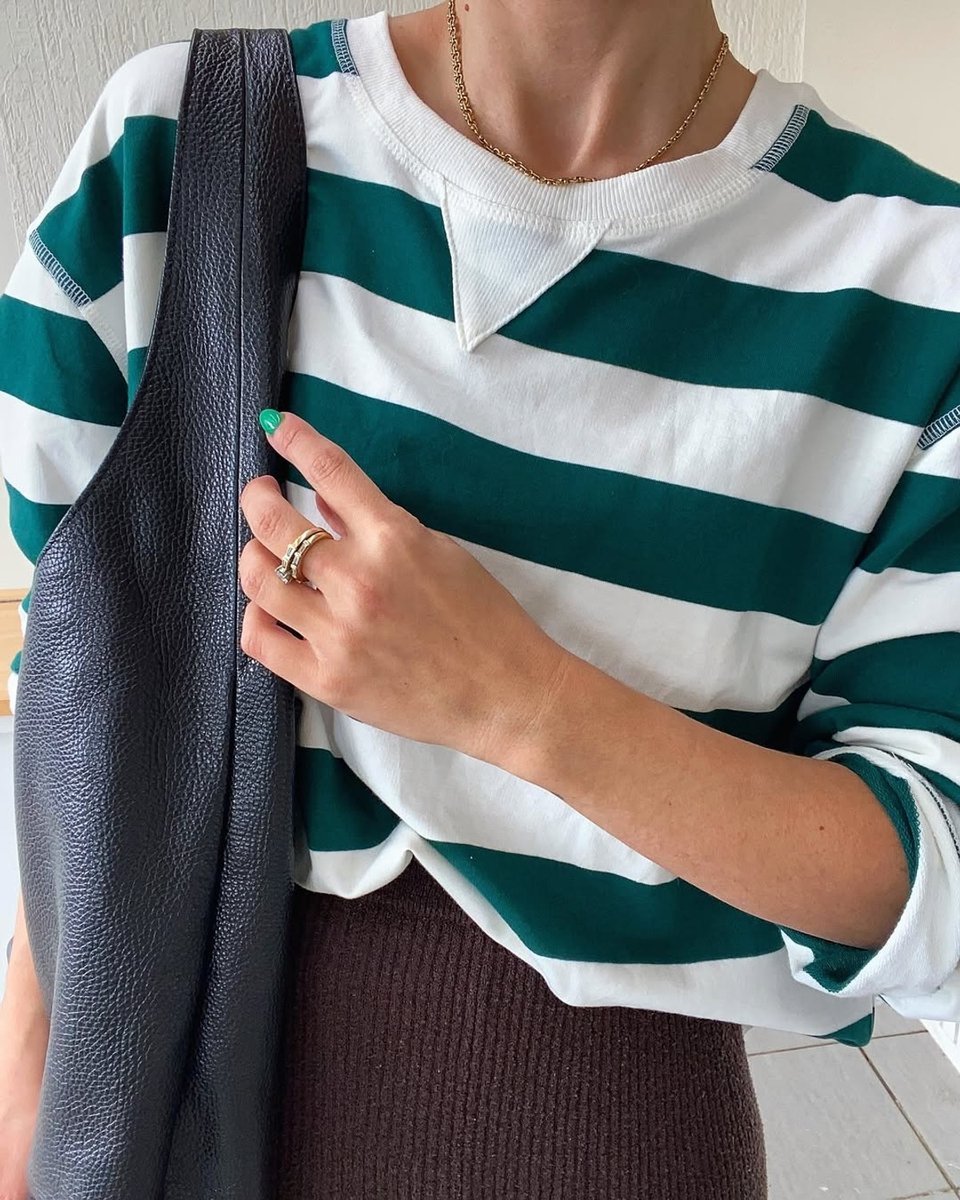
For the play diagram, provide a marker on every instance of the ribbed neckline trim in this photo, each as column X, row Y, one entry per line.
column 660, row 192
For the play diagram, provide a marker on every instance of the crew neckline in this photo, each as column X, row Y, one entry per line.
column 766, row 126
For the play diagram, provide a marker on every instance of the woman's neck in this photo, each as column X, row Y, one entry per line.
column 574, row 88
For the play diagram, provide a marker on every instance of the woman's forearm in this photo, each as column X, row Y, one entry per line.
column 23, row 1007
column 802, row 842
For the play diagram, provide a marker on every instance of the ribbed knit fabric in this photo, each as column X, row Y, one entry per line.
column 423, row 1061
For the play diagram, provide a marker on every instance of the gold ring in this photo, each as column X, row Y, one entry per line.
column 289, row 569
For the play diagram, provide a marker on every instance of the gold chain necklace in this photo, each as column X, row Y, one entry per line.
column 467, row 109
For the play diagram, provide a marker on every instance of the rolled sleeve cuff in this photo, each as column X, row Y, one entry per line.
column 917, row 966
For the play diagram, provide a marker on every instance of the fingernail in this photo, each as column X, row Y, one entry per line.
column 269, row 419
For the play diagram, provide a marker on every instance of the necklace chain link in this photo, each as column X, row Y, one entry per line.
column 467, row 109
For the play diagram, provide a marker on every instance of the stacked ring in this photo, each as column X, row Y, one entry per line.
column 289, row 569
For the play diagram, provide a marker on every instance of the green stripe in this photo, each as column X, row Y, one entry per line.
column 858, row 1033
column 911, row 672
column 338, row 810
column 126, row 192
column 949, row 400
column 568, row 912
column 558, row 910
column 835, row 163
column 31, row 523
column 949, row 787
column 889, row 358
column 919, row 529
column 380, row 238
column 312, row 48
column 848, row 346
column 893, row 356
column 68, row 370
column 772, row 729
column 818, row 731
column 363, row 820
column 136, row 359
column 640, row 533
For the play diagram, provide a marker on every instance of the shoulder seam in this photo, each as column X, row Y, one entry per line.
column 341, row 46
column 52, row 265
column 789, row 134
column 939, row 428
column 88, row 308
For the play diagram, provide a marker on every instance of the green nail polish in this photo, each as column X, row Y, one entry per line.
column 269, row 419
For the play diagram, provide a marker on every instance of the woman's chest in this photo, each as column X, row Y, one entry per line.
column 686, row 531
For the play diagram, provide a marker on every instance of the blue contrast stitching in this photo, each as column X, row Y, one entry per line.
column 341, row 48
column 939, row 428
column 791, row 131
column 55, row 268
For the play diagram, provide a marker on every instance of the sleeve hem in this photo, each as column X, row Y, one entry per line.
column 923, row 949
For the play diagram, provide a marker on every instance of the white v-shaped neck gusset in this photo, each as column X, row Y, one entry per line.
column 502, row 262
column 510, row 236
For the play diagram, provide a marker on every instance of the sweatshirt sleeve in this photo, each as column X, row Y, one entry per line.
column 72, row 330
column 884, row 701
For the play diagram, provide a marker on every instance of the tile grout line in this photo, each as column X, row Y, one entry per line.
column 788, row 1049
column 920, row 1138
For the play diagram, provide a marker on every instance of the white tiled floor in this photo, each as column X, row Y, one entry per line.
column 880, row 1122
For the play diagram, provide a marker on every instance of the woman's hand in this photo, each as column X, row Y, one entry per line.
column 403, row 629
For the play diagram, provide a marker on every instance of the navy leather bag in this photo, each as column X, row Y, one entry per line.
column 153, row 760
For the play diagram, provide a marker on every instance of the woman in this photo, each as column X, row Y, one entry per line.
column 627, row 382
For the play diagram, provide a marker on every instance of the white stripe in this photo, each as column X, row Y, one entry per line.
column 106, row 318
column 730, row 441
column 757, row 990
column 813, row 702
column 49, row 458
column 942, row 458
column 33, row 284
column 921, row 747
column 315, row 728
column 853, row 237
column 143, row 255
column 339, row 140
column 895, row 603
column 892, row 246
column 452, row 797
column 687, row 655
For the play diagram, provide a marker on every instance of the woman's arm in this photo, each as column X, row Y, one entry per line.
column 794, row 840
column 785, row 834
column 22, row 994
column 24, row 1031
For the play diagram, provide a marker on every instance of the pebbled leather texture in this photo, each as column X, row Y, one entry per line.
column 153, row 759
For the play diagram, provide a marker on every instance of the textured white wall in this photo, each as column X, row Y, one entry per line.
column 891, row 67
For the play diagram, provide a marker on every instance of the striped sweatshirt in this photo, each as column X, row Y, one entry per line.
column 702, row 420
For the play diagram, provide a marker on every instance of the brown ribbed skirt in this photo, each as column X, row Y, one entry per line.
column 423, row 1061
